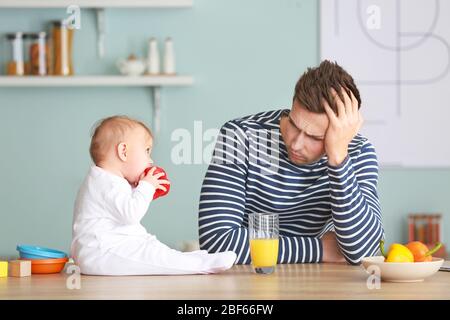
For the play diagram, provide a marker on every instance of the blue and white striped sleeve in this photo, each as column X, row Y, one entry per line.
column 355, row 206
column 222, row 205
column 222, row 197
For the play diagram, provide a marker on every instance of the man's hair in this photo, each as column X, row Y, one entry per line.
column 109, row 132
column 316, row 83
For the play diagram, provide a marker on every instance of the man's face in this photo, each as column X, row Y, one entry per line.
column 303, row 134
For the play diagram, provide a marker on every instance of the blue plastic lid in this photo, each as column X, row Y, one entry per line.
column 41, row 251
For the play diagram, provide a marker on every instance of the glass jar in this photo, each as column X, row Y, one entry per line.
column 15, row 64
column 62, row 38
column 38, row 54
column 26, row 49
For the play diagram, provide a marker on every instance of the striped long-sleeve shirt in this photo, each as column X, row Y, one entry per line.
column 250, row 172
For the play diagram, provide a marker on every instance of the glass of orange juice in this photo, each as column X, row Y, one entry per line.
column 263, row 236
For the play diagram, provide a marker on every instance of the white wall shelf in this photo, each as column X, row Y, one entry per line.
column 96, row 3
column 153, row 82
column 94, row 80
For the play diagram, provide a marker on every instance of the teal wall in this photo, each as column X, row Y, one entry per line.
column 245, row 57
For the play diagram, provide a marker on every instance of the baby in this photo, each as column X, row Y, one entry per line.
column 108, row 238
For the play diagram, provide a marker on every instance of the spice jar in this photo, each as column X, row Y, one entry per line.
column 62, row 38
column 15, row 64
column 26, row 49
column 38, row 54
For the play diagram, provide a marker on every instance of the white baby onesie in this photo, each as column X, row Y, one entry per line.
column 108, row 238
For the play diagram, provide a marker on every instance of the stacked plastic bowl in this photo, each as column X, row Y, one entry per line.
column 43, row 260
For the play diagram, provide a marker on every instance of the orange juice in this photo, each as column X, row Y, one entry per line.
column 264, row 252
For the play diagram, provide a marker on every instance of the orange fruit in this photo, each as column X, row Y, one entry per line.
column 419, row 251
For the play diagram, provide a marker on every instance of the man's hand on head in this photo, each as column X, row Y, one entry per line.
column 330, row 249
column 343, row 127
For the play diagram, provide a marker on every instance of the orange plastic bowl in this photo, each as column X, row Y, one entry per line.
column 46, row 266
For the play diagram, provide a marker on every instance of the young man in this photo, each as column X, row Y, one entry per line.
column 308, row 164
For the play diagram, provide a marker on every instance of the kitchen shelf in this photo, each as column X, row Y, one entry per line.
column 95, row 80
column 153, row 82
column 96, row 3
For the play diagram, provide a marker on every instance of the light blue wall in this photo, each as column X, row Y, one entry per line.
column 245, row 57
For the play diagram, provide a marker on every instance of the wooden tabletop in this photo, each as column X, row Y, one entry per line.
column 295, row 281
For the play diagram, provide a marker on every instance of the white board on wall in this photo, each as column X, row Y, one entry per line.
column 398, row 52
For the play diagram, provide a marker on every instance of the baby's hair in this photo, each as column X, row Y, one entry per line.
column 110, row 131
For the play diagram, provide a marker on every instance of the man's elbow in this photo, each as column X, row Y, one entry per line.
column 211, row 241
column 356, row 258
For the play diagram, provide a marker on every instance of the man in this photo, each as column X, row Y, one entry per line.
column 310, row 165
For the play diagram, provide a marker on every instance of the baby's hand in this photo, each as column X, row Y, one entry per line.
column 155, row 181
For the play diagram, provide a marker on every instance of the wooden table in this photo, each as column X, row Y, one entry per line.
column 295, row 281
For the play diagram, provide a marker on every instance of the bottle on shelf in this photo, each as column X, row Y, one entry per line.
column 153, row 61
column 26, row 52
column 15, row 65
column 62, row 38
column 38, row 54
column 169, row 57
